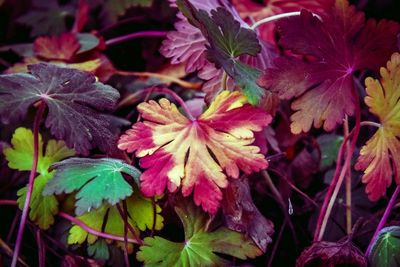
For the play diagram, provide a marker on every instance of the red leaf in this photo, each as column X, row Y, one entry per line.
column 62, row 47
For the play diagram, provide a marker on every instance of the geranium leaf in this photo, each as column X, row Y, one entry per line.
column 47, row 17
column 380, row 157
column 61, row 47
column 338, row 46
column 386, row 249
column 242, row 215
column 176, row 151
column 74, row 99
column 99, row 250
column 227, row 40
column 110, row 217
column 94, row 179
column 329, row 146
column 323, row 253
column 112, row 9
column 20, row 157
column 200, row 245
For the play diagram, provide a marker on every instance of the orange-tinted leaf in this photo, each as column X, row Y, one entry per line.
column 196, row 154
column 380, row 157
column 62, row 47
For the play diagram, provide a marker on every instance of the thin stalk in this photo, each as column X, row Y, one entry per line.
column 25, row 210
column 93, row 231
column 337, row 179
column 383, row 220
column 163, row 77
column 133, row 97
column 123, row 214
column 41, row 248
column 348, row 182
column 131, row 36
column 9, row 252
column 224, row 81
column 278, row 239
column 154, row 204
column 277, row 17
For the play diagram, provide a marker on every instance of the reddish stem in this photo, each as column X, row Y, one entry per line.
column 135, row 35
column 354, row 133
column 25, row 210
column 383, row 220
column 77, row 222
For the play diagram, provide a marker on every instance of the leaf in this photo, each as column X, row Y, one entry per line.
column 330, row 254
column 337, row 47
column 20, row 157
column 94, row 179
column 42, row 208
column 380, row 156
column 99, row 250
column 386, row 248
column 329, row 146
column 110, row 217
column 200, row 245
column 61, row 47
column 75, row 101
column 227, row 40
column 243, row 216
column 176, row 151
column 46, row 17
column 112, row 9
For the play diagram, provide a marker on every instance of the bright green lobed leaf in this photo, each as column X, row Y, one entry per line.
column 42, row 208
column 94, row 179
column 141, row 217
column 386, row 249
column 199, row 247
column 228, row 40
column 20, row 157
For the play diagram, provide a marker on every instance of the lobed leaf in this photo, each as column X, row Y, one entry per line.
column 386, row 248
column 94, row 179
column 200, row 245
column 75, row 100
column 380, row 156
column 194, row 154
column 336, row 47
column 20, row 157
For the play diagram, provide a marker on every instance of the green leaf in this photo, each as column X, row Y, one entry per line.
column 20, row 157
column 227, row 41
column 140, row 217
column 94, row 179
column 87, row 41
column 386, row 249
column 329, row 145
column 42, row 208
column 99, row 250
column 199, row 247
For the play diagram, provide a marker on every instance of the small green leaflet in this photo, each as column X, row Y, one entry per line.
column 199, row 247
column 94, row 179
column 20, row 157
column 329, row 145
column 386, row 249
column 108, row 219
column 99, row 250
column 227, row 41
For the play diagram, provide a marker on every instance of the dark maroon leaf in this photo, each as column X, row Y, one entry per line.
column 243, row 216
column 330, row 254
column 75, row 101
column 338, row 46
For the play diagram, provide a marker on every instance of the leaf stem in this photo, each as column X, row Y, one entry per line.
column 131, row 36
column 277, row 17
column 25, row 210
column 370, row 123
column 41, row 248
column 166, row 78
column 383, row 219
column 348, row 181
column 338, row 177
